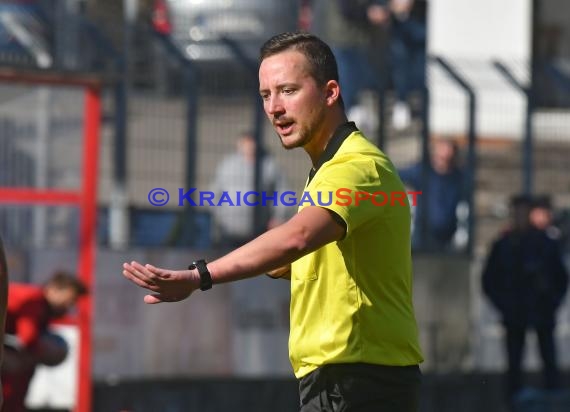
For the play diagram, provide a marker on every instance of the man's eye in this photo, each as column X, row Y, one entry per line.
column 287, row 91
column 265, row 96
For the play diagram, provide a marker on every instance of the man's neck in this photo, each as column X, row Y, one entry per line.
column 318, row 145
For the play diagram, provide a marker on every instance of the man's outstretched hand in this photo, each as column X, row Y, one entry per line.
column 166, row 285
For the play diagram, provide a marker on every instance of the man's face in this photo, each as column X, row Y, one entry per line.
column 541, row 217
column 292, row 100
column 61, row 300
column 246, row 146
column 443, row 155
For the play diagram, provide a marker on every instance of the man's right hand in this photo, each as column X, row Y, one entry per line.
column 167, row 285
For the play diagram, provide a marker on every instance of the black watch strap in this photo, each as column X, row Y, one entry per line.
column 205, row 277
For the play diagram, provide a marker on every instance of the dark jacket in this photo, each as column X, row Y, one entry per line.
column 443, row 195
column 525, row 278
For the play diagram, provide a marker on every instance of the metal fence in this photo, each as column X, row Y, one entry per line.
column 40, row 145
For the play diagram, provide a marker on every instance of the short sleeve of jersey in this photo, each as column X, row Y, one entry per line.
column 346, row 186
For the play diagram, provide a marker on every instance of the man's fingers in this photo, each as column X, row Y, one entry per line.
column 139, row 271
column 138, row 282
column 152, row 268
column 152, row 299
column 142, row 271
column 158, row 272
column 138, row 278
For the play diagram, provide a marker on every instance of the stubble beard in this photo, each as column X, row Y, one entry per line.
column 305, row 134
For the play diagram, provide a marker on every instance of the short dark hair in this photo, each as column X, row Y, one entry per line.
column 63, row 280
column 542, row 202
column 322, row 63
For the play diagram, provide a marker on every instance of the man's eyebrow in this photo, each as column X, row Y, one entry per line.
column 280, row 86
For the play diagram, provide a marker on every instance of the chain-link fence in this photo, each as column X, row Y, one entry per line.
column 40, row 143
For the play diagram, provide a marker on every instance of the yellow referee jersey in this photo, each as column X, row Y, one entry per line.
column 351, row 300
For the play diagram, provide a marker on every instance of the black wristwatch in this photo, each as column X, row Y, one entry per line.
column 205, row 277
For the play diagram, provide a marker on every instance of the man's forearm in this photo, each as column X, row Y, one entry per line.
column 302, row 234
column 275, row 248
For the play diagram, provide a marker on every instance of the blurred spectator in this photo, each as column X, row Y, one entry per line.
column 3, row 303
column 525, row 279
column 234, row 224
column 348, row 27
column 443, row 194
column 408, row 54
column 27, row 340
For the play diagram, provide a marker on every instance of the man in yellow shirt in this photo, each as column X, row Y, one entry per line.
column 353, row 341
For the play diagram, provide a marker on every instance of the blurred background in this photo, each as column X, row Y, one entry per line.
column 102, row 101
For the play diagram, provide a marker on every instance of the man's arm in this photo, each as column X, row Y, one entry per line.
column 558, row 272
column 305, row 232
column 491, row 282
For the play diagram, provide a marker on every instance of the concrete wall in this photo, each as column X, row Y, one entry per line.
column 442, row 299
column 238, row 329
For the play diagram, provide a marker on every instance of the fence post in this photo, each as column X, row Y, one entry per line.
column 251, row 65
column 528, row 140
column 119, row 213
column 381, row 137
column 472, row 141
column 426, row 166
column 191, row 77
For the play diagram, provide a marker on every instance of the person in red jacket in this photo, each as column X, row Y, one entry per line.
column 27, row 342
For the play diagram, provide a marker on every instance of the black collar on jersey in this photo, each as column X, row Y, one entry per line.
column 341, row 133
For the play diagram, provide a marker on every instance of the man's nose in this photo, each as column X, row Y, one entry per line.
column 274, row 106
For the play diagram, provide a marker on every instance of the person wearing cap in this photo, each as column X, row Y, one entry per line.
column 525, row 279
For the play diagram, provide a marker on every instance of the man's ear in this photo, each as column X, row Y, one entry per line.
column 332, row 90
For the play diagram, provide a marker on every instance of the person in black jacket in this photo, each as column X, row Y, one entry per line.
column 525, row 279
